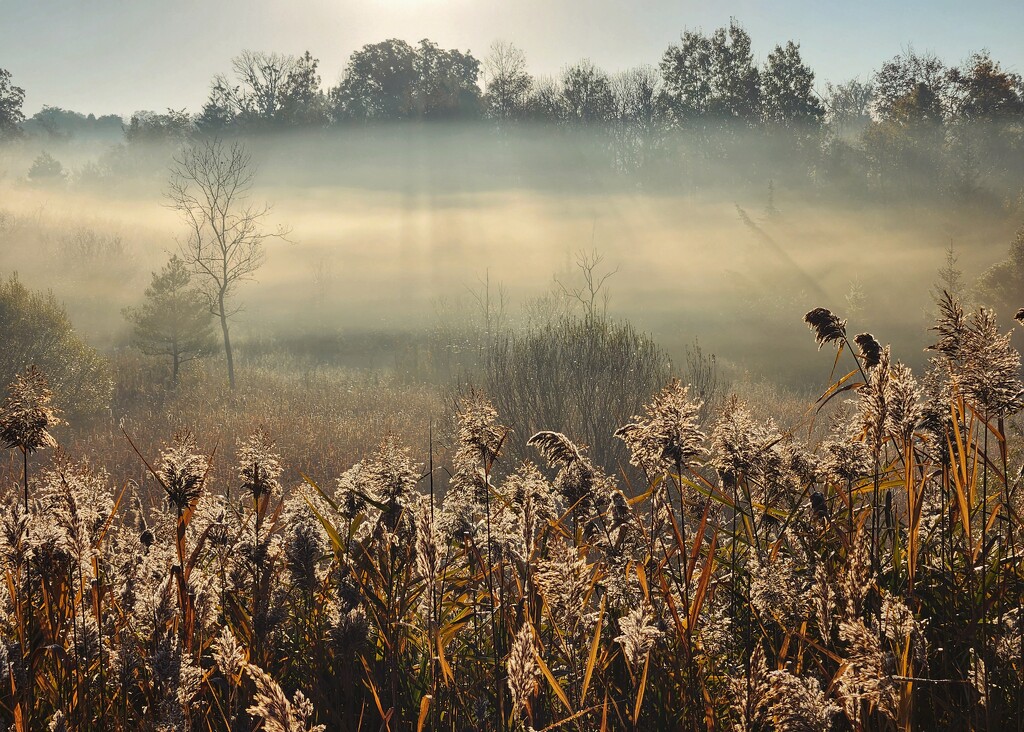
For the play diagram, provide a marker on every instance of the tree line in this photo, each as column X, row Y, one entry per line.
column 701, row 79
column 957, row 123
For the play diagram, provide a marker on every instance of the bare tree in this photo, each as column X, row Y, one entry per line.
column 210, row 186
column 264, row 78
column 508, row 82
column 591, row 293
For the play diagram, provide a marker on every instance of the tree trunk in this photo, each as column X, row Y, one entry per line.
column 227, row 341
column 174, row 375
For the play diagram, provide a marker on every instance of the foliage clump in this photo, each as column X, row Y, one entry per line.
column 37, row 331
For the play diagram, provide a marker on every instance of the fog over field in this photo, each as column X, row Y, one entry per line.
column 396, row 229
column 462, row 392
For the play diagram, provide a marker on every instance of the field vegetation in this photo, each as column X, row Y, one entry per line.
column 732, row 576
column 411, row 403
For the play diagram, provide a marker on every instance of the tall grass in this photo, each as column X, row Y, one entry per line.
column 745, row 582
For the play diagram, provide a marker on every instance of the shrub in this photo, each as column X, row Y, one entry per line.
column 575, row 375
column 45, row 168
column 37, row 331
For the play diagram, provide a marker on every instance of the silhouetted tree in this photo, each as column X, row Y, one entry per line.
column 986, row 126
column 379, row 83
column 686, row 69
column 546, row 102
column 982, row 90
column 174, row 320
column 446, row 82
column 1002, row 285
column 261, row 82
column 636, row 96
column 219, row 111
column 174, row 127
column 712, row 77
column 302, row 100
column 911, row 89
column 587, row 93
column 55, row 123
column 45, row 168
column 507, row 81
column 636, row 112
column 11, row 99
column 266, row 89
column 36, row 330
column 904, row 145
column 787, row 89
column 392, row 80
column 848, row 106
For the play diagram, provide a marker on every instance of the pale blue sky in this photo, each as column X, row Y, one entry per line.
column 124, row 55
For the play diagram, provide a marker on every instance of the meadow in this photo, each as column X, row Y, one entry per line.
column 516, row 443
column 731, row 576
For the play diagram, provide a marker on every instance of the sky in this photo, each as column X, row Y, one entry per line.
column 121, row 56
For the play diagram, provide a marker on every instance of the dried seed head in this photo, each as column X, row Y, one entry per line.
column 870, row 349
column 182, row 471
column 564, row 579
column 272, row 706
column 479, row 431
column 259, row 466
column 558, row 449
column 523, row 670
column 428, row 558
column 991, row 367
column 903, row 400
column 229, row 656
column 866, row 675
column 26, row 415
column 827, row 327
column 578, row 482
column 638, row 635
column 667, row 437
column 951, row 327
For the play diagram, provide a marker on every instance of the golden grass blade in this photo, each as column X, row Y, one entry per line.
column 555, row 686
column 336, row 542
column 705, row 581
column 594, row 646
column 446, row 669
column 641, row 690
column 309, row 481
column 424, row 709
column 641, row 576
column 368, row 680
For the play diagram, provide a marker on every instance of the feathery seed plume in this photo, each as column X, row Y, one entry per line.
column 827, row 326
column 182, row 471
column 26, row 414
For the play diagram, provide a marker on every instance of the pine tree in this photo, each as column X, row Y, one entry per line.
column 174, row 320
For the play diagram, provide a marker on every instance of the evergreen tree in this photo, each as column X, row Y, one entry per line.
column 175, row 319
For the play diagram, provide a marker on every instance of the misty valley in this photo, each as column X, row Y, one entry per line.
column 455, row 396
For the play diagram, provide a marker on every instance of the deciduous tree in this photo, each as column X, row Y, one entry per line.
column 11, row 99
column 787, row 89
column 210, row 187
column 507, row 81
column 587, row 93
